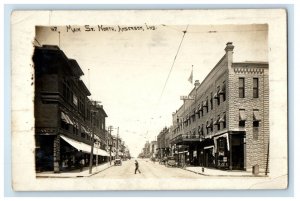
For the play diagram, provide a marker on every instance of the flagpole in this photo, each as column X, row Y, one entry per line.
column 192, row 73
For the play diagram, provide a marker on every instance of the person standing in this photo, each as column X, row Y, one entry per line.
column 81, row 163
column 136, row 167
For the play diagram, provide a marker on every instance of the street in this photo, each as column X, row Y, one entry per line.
column 149, row 170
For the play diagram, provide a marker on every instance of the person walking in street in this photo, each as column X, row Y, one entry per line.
column 136, row 167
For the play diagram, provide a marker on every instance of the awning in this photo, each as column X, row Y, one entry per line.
column 205, row 104
column 217, row 121
column 84, row 147
column 211, row 147
column 216, row 95
column 85, row 130
column 221, row 91
column 242, row 115
column 256, row 116
column 200, row 108
column 227, row 140
column 210, row 124
column 96, row 137
column 222, row 119
column 66, row 118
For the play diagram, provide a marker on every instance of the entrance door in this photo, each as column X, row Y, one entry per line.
column 237, row 148
column 209, row 158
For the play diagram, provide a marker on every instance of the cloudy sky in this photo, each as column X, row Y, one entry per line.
column 129, row 71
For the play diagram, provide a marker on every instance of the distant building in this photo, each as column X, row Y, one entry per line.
column 153, row 149
column 65, row 118
column 163, row 148
column 224, row 121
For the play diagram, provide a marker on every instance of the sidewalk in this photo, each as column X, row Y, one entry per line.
column 225, row 173
column 75, row 173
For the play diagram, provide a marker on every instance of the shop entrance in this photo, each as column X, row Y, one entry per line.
column 44, row 153
column 237, row 148
column 209, row 159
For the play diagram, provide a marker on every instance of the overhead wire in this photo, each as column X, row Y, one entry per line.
column 170, row 71
column 178, row 49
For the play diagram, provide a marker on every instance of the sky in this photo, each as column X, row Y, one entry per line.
column 139, row 75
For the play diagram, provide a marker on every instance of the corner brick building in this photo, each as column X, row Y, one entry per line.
column 67, row 122
column 224, row 121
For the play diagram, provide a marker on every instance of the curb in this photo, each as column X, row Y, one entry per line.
column 73, row 176
column 208, row 175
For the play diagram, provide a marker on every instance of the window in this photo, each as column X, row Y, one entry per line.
column 242, row 87
column 211, row 101
column 217, row 123
column 64, row 125
column 256, row 120
column 242, row 118
column 224, row 91
column 255, row 87
column 207, row 127
column 223, row 120
column 221, row 144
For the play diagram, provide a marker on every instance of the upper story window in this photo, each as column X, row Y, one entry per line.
column 242, row 118
column 211, row 101
column 205, row 104
column 256, row 120
column 224, row 91
column 222, row 120
column 255, row 87
column 242, row 87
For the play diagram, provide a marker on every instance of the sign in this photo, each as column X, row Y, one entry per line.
column 194, row 153
column 46, row 131
column 187, row 97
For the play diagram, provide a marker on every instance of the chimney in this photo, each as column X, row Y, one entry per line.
column 197, row 83
column 229, row 53
column 229, row 47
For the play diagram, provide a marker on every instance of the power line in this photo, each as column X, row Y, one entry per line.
column 184, row 32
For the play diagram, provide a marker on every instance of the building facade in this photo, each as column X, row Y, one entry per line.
column 163, row 148
column 224, row 121
column 67, row 123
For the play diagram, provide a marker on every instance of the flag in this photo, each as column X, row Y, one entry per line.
column 191, row 77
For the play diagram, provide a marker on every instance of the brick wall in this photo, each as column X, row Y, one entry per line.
column 256, row 149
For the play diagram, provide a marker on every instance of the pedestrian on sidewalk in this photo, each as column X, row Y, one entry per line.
column 136, row 167
column 82, row 161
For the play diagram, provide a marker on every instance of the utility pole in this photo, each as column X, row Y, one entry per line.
column 117, row 156
column 110, row 143
column 94, row 111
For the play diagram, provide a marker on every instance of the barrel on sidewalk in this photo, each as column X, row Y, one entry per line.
column 255, row 169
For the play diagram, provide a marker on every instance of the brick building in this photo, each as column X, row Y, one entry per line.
column 66, row 120
column 163, row 148
column 224, row 121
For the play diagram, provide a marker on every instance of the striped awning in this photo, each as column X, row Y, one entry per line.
column 256, row 115
column 66, row 118
column 84, row 147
